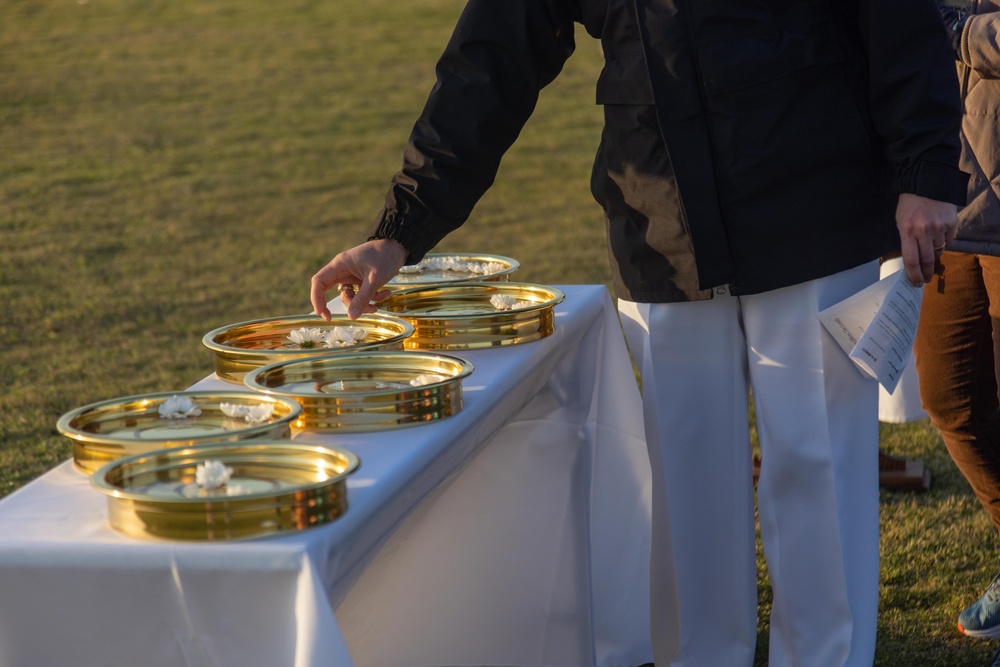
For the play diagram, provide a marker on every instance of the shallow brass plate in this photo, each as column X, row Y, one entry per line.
column 275, row 487
column 109, row 430
column 367, row 391
column 425, row 272
column 461, row 317
column 240, row 348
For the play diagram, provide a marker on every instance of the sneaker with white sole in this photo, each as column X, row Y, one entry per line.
column 982, row 617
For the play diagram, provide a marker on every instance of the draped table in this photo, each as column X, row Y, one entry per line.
column 513, row 533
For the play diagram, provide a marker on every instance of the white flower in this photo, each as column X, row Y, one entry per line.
column 502, row 301
column 451, row 263
column 178, row 407
column 212, row 474
column 259, row 413
column 507, row 302
column 306, row 338
column 253, row 414
column 446, row 263
column 232, row 410
column 421, row 380
column 344, row 336
column 485, row 268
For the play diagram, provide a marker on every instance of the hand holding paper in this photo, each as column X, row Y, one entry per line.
column 876, row 327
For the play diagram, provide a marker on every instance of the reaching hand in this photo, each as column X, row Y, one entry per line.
column 925, row 226
column 360, row 272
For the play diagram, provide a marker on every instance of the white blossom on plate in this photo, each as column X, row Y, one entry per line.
column 178, row 407
column 451, row 263
column 344, row 336
column 259, row 413
column 428, row 378
column 306, row 337
column 446, row 263
column 212, row 474
column 485, row 268
column 507, row 302
column 502, row 301
column 252, row 414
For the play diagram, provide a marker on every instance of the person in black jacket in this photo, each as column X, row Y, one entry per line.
column 757, row 159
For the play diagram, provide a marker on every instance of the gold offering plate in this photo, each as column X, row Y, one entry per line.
column 433, row 270
column 462, row 317
column 367, row 391
column 243, row 347
column 110, row 430
column 274, row 487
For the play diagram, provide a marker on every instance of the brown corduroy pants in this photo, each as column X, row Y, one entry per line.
column 957, row 352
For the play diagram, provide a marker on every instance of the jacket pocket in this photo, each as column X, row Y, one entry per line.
column 624, row 80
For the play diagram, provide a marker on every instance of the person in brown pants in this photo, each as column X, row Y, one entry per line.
column 957, row 347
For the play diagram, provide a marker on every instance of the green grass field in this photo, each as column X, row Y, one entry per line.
column 170, row 167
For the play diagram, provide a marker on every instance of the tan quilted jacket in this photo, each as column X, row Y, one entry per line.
column 979, row 76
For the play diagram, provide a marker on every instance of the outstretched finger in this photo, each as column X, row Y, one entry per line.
column 361, row 302
column 326, row 279
column 317, row 296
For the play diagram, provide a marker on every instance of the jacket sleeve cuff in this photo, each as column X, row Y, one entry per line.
column 935, row 180
column 410, row 234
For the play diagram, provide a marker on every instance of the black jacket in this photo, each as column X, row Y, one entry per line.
column 754, row 143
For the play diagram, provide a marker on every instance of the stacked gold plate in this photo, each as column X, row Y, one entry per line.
column 446, row 268
column 269, row 487
column 109, row 430
column 243, row 347
column 467, row 316
column 367, row 391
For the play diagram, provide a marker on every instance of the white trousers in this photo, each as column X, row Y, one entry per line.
column 817, row 496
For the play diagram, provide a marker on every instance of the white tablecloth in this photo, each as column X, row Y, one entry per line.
column 513, row 533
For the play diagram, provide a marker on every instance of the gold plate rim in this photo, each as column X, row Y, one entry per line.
column 65, row 424
column 252, row 380
column 512, row 266
column 99, row 481
column 209, row 339
column 554, row 297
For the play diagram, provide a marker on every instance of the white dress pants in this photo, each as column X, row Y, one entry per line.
column 818, row 488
